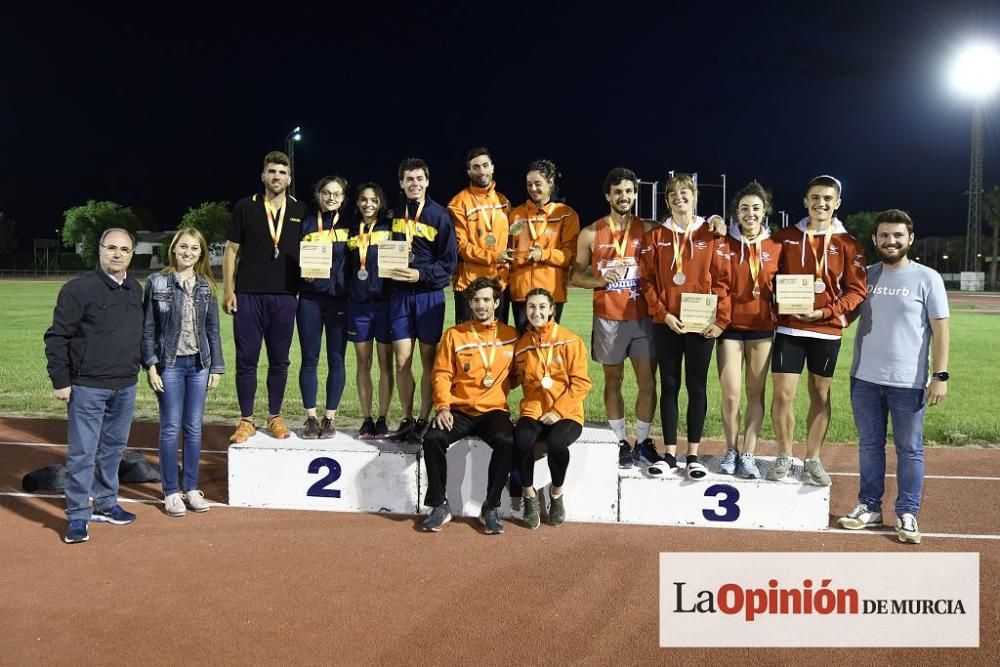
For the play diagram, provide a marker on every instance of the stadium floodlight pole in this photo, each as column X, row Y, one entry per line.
column 975, row 73
column 290, row 139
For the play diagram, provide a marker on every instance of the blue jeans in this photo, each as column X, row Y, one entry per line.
column 873, row 404
column 99, row 422
column 182, row 405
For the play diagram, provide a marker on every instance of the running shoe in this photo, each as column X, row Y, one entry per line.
column 367, row 429
column 860, row 517
column 76, row 532
column 625, row 454
column 438, row 517
column 748, row 466
column 780, row 469
column 531, row 513
column 490, row 518
column 907, row 530
column 557, row 511
column 405, row 430
column 114, row 514
column 728, row 464
column 310, row 430
column 813, row 473
column 381, row 428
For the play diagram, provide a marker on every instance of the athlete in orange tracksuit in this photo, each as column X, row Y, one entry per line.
column 682, row 256
column 543, row 235
column 481, row 222
column 746, row 343
column 550, row 363
column 470, row 380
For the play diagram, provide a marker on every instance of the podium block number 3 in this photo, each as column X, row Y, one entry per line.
column 727, row 509
column 320, row 489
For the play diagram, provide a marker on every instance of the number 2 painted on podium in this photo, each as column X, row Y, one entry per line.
column 730, row 496
column 333, row 474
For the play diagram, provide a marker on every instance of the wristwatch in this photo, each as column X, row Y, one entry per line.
column 943, row 376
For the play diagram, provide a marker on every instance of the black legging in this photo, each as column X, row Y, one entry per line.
column 558, row 437
column 696, row 351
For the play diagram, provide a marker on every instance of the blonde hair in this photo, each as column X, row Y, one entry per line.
column 202, row 268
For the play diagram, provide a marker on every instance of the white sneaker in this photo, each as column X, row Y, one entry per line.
column 906, row 529
column 174, row 504
column 860, row 517
column 728, row 463
column 196, row 501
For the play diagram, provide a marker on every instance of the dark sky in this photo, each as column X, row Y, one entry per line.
column 163, row 111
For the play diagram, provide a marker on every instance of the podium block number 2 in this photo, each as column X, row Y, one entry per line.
column 320, row 489
column 727, row 509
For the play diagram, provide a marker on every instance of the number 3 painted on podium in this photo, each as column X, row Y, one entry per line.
column 333, row 474
column 730, row 496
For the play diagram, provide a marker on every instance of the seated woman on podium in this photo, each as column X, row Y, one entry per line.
column 550, row 363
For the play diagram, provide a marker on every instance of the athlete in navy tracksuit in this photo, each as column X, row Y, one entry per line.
column 323, row 305
column 416, row 303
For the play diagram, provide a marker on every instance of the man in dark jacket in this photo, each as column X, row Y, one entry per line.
column 93, row 352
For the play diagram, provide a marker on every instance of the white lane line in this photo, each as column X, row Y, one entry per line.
column 59, row 496
column 141, row 449
column 840, row 531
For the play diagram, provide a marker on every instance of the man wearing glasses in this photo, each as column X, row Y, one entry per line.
column 93, row 352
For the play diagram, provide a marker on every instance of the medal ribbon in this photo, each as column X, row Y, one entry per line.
column 275, row 235
column 365, row 241
column 487, row 362
column 535, row 234
column 754, row 259
column 820, row 257
column 411, row 225
column 545, row 361
column 623, row 245
column 319, row 221
column 679, row 247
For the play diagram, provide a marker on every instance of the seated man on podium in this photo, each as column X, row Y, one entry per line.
column 470, row 384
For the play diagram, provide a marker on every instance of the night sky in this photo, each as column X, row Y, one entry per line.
column 164, row 111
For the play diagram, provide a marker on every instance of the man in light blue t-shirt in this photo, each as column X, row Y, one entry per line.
column 904, row 318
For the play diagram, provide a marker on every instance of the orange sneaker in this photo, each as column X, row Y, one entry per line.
column 276, row 425
column 244, row 430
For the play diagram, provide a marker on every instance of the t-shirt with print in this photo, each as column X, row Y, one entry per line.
column 893, row 338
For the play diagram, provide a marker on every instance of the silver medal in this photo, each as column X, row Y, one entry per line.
column 679, row 279
column 362, row 274
column 819, row 286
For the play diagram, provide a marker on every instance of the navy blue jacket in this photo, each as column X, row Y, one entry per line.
column 374, row 288
column 434, row 249
column 96, row 333
column 161, row 331
column 337, row 283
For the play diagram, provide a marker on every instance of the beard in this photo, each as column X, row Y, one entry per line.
column 893, row 259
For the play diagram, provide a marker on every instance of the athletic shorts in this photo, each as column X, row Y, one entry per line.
column 369, row 320
column 738, row 334
column 791, row 353
column 417, row 315
column 612, row 341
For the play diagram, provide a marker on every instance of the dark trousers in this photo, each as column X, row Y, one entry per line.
column 267, row 318
column 521, row 315
column 558, row 437
column 493, row 428
column 696, row 352
column 463, row 313
column 316, row 313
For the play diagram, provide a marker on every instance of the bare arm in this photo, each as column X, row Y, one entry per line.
column 937, row 390
column 583, row 274
column 229, row 277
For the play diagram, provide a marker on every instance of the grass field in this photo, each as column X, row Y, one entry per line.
column 969, row 416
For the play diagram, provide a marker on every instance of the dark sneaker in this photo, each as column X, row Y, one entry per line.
column 367, row 428
column 76, row 532
column 381, row 428
column 438, row 517
column 695, row 470
column 310, row 430
column 624, row 454
column 405, row 430
column 645, row 453
column 420, row 428
column 531, row 513
column 326, row 429
column 114, row 514
column 490, row 518
column 557, row 511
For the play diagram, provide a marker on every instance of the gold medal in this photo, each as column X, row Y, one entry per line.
column 491, row 240
column 516, row 228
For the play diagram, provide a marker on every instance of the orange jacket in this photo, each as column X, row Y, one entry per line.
column 478, row 212
column 751, row 313
column 457, row 377
column 568, row 370
column 845, row 275
column 558, row 241
column 706, row 268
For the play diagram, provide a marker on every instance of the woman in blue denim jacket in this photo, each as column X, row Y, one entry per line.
column 182, row 351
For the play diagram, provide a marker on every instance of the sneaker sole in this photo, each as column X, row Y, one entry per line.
column 818, row 482
column 847, row 525
column 727, row 472
column 200, row 510
column 96, row 518
column 69, row 541
column 491, row 532
column 284, row 436
column 696, row 471
column 776, row 477
column 623, row 465
column 438, row 528
column 907, row 539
